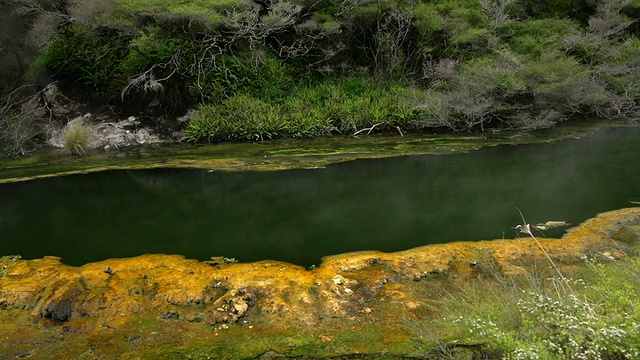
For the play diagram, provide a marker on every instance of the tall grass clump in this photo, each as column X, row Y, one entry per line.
column 75, row 138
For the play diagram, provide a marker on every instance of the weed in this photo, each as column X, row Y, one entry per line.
column 593, row 317
column 569, row 327
column 591, row 314
column 75, row 137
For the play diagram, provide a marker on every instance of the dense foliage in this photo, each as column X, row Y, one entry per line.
column 264, row 69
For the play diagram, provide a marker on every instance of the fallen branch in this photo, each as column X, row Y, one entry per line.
column 368, row 130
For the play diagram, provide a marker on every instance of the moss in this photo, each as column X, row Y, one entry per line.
column 278, row 155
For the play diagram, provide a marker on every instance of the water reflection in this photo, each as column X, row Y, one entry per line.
column 302, row 215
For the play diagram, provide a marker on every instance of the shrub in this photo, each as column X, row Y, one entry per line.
column 17, row 134
column 563, row 84
column 344, row 107
column 75, row 137
column 18, row 125
column 242, row 117
column 427, row 19
column 89, row 58
column 534, row 38
column 476, row 93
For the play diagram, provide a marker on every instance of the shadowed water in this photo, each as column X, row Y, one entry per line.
column 301, row 215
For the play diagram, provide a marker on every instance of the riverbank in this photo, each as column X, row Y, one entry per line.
column 236, row 71
column 419, row 303
column 280, row 154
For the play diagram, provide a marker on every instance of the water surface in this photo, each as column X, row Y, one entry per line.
column 301, row 215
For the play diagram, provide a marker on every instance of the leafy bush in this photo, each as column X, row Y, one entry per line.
column 476, row 93
column 242, row 117
column 536, row 38
column 90, row 58
column 427, row 19
column 345, row 107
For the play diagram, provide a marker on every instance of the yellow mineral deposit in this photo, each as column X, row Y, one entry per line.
column 154, row 305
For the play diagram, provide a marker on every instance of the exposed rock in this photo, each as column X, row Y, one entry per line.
column 60, row 113
column 107, row 135
column 52, row 103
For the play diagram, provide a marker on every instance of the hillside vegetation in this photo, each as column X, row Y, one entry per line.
column 299, row 68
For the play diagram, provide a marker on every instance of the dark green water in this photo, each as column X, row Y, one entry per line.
column 301, row 215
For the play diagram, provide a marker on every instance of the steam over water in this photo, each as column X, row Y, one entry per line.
column 301, row 215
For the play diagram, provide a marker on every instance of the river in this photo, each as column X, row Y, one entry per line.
column 300, row 216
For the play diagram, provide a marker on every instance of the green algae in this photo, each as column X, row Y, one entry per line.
column 276, row 155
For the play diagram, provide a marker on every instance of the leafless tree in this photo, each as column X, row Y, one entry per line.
column 391, row 35
column 496, row 12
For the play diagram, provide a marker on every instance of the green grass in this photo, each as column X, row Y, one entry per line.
column 594, row 314
column 343, row 107
column 210, row 10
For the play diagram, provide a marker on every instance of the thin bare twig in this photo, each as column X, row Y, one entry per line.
column 525, row 228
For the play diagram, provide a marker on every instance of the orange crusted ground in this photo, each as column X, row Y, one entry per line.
column 167, row 306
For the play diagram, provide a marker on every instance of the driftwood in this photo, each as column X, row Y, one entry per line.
column 368, row 130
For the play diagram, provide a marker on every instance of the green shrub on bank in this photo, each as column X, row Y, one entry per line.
column 535, row 38
column 471, row 65
column 328, row 108
column 242, row 117
column 90, row 57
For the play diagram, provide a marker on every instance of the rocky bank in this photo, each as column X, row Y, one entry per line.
column 107, row 130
